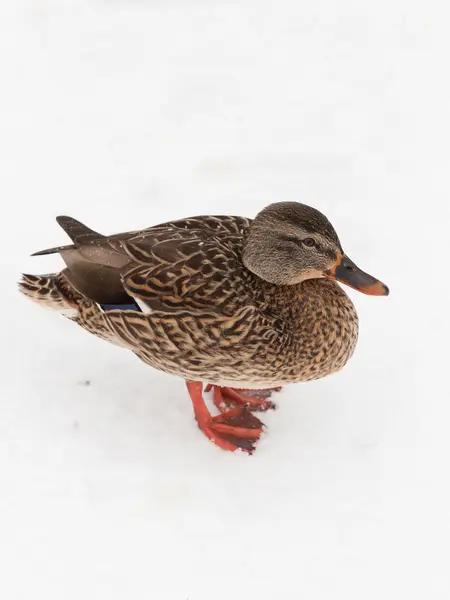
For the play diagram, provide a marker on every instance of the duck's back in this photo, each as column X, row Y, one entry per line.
column 98, row 265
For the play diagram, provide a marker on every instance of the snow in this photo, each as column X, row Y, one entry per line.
column 130, row 113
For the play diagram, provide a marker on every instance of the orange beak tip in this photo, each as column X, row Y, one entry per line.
column 377, row 289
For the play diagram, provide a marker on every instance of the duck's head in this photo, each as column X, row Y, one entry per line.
column 289, row 242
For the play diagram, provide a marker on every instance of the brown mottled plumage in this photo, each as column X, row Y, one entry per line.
column 221, row 300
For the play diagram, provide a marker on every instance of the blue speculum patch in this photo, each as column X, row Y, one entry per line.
column 130, row 306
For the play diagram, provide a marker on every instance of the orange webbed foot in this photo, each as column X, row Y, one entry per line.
column 233, row 429
column 226, row 398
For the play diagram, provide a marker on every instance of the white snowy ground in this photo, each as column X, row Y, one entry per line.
column 128, row 113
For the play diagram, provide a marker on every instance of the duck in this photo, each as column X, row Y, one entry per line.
column 237, row 306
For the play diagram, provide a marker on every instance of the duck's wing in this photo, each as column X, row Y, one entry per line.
column 190, row 265
column 183, row 265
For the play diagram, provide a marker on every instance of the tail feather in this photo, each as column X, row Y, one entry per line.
column 53, row 250
column 50, row 291
column 78, row 233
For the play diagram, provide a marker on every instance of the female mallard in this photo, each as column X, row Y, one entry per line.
column 221, row 300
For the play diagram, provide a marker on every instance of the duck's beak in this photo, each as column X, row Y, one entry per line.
column 347, row 272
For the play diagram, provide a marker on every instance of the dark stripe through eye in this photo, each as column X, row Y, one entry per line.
column 291, row 238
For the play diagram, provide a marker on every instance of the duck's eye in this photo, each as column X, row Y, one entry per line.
column 309, row 242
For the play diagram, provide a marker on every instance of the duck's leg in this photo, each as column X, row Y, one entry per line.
column 231, row 430
column 255, row 400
